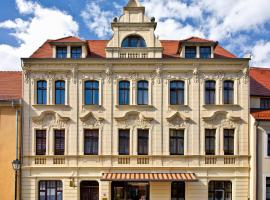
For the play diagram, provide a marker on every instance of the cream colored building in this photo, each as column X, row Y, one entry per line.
column 260, row 132
column 148, row 117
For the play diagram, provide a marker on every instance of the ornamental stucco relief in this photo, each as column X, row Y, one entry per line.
column 134, row 119
column 177, row 120
column 92, row 121
column 51, row 119
column 222, row 119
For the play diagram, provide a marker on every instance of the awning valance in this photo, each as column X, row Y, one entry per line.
column 154, row 177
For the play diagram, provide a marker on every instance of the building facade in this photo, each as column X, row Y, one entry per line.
column 260, row 131
column 135, row 117
column 10, row 131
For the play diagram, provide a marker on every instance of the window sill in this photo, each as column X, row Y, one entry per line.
column 47, row 105
column 179, row 107
column 138, row 107
column 93, row 107
column 221, row 105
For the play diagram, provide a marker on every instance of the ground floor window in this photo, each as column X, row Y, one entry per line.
column 130, row 190
column 220, row 190
column 268, row 188
column 178, row 191
column 50, row 190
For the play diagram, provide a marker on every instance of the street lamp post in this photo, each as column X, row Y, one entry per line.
column 16, row 164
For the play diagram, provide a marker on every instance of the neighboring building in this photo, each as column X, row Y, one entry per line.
column 135, row 117
column 260, row 131
column 10, row 105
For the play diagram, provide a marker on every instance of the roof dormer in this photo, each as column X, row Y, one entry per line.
column 134, row 34
column 195, row 47
column 69, row 47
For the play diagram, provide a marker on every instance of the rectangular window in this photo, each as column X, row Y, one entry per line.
column 265, row 103
column 205, row 52
column 123, row 144
column 143, row 140
column 176, row 142
column 177, row 92
column 190, row 52
column 178, row 190
column 228, row 92
column 61, row 52
column 91, row 142
column 228, row 141
column 220, row 190
column 124, row 92
column 76, row 52
column 59, row 142
column 50, row 190
column 210, row 141
column 268, row 145
column 210, row 92
column 268, row 188
column 60, row 92
column 42, row 92
column 40, row 142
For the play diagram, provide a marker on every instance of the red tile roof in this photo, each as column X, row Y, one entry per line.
column 97, row 48
column 259, row 82
column 10, row 85
column 197, row 39
column 261, row 114
column 69, row 39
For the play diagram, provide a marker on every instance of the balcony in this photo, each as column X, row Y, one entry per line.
column 136, row 161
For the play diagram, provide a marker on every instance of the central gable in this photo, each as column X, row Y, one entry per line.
column 134, row 35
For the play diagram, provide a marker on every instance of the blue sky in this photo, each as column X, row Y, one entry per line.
column 241, row 26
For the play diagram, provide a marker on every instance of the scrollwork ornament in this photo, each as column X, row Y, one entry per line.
column 245, row 75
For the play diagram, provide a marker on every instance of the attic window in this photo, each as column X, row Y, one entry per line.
column 190, row 52
column 205, row 52
column 133, row 41
column 61, row 52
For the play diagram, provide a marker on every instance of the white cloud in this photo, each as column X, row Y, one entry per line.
column 261, row 54
column 98, row 21
column 26, row 7
column 42, row 24
column 173, row 30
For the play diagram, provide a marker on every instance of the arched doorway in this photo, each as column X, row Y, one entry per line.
column 89, row 190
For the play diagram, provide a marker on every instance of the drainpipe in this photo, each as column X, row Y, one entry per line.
column 257, row 159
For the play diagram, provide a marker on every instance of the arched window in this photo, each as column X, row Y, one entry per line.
column 124, row 88
column 210, row 92
column 142, row 93
column 42, row 92
column 133, row 41
column 177, row 92
column 228, row 90
column 60, row 92
column 91, row 92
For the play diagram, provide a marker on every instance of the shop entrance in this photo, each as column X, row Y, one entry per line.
column 130, row 190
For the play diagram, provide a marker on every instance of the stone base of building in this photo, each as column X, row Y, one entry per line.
column 88, row 185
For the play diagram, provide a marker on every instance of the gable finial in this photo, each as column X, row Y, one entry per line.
column 134, row 3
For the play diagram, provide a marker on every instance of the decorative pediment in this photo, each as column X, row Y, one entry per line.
column 178, row 120
column 50, row 118
column 134, row 118
column 223, row 119
column 90, row 119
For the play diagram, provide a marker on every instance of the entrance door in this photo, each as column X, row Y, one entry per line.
column 89, row 190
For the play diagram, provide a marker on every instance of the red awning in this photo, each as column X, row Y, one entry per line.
column 157, row 177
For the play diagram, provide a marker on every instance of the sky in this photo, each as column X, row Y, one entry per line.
column 241, row 26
